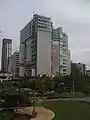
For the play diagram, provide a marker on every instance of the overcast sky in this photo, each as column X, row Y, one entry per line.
column 72, row 15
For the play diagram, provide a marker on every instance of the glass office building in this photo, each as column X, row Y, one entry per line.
column 35, row 46
column 6, row 53
column 43, row 48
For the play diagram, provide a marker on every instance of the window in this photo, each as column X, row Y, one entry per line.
column 64, row 70
column 64, row 45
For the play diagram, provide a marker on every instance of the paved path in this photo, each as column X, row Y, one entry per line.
column 74, row 99
column 42, row 113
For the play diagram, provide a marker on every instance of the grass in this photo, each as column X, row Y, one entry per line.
column 70, row 95
column 5, row 115
column 69, row 110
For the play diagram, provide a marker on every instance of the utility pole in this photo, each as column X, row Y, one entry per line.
column 73, row 89
column 34, row 113
column 0, row 42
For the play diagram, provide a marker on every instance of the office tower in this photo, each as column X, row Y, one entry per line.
column 61, row 55
column 44, row 48
column 64, row 54
column 82, row 68
column 35, row 46
column 10, row 65
column 6, row 53
column 78, row 69
column 75, row 69
column 14, row 64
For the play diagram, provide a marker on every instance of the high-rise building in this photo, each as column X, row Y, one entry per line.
column 78, row 69
column 60, row 52
column 68, row 63
column 6, row 53
column 14, row 64
column 75, row 69
column 43, row 48
column 82, row 68
column 35, row 46
column 10, row 65
column 55, row 57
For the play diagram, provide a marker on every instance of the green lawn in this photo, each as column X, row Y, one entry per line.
column 6, row 115
column 69, row 110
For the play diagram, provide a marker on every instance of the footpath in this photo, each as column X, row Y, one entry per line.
column 86, row 99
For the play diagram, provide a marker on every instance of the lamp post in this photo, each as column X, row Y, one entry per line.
column 1, row 36
column 73, row 89
column 34, row 113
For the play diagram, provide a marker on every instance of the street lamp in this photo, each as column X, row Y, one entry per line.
column 34, row 113
column 0, row 42
column 73, row 89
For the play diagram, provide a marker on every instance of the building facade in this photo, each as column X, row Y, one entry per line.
column 74, row 69
column 43, row 48
column 68, row 68
column 35, row 46
column 6, row 53
column 88, row 73
column 61, row 54
column 55, row 57
column 14, row 64
column 78, row 69
column 82, row 68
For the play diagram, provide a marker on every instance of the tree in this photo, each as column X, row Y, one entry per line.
column 87, row 90
column 14, row 100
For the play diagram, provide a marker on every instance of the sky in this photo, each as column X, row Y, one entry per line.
column 72, row 15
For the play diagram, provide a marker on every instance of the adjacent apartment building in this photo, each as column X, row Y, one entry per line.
column 14, row 65
column 43, row 48
column 6, row 53
column 60, row 53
